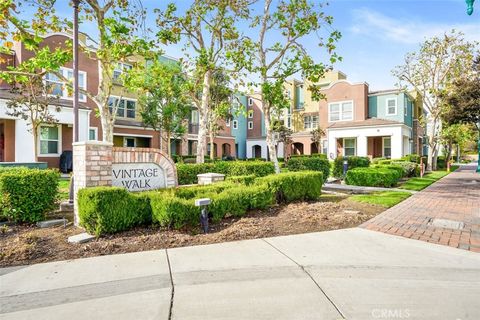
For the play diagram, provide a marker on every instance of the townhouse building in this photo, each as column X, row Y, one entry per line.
column 16, row 139
column 356, row 121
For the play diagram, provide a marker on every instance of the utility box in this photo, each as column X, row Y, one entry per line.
column 209, row 178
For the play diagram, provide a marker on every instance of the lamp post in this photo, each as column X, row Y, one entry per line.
column 469, row 6
column 75, row 87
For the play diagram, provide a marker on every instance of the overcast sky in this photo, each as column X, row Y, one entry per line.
column 376, row 33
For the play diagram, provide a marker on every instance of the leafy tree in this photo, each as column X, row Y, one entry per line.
column 208, row 28
column 317, row 135
column 431, row 71
column 284, row 135
column 220, row 104
column 32, row 101
column 458, row 134
column 164, row 102
column 117, row 23
column 462, row 102
column 273, row 62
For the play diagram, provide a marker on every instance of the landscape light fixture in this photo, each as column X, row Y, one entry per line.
column 469, row 6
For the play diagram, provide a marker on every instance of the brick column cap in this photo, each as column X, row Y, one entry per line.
column 92, row 143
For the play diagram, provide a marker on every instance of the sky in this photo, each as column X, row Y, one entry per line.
column 376, row 34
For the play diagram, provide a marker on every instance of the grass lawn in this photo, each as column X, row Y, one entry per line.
column 418, row 183
column 385, row 198
column 63, row 189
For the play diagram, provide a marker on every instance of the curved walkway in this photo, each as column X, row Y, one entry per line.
column 447, row 212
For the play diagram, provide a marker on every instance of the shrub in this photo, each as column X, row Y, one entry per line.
column 291, row 186
column 112, row 209
column 198, row 191
column 376, row 160
column 372, row 177
column 384, row 162
column 246, row 180
column 27, row 194
column 353, row 162
column 316, row 163
column 412, row 158
column 169, row 210
column 410, row 169
column 187, row 173
column 441, row 162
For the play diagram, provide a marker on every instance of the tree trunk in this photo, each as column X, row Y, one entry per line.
column 212, row 149
column 35, row 143
column 202, row 118
column 269, row 139
column 432, row 146
column 449, row 148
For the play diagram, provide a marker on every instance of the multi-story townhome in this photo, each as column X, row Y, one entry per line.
column 16, row 141
column 356, row 121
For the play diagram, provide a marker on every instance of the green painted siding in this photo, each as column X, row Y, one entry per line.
column 377, row 108
column 240, row 133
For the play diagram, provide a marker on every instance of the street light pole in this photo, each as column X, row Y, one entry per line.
column 75, row 70
column 75, row 87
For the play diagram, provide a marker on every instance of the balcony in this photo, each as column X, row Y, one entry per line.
column 193, row 128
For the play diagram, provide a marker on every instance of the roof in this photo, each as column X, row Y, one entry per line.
column 371, row 122
column 396, row 91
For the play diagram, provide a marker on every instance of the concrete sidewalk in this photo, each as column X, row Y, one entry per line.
column 343, row 274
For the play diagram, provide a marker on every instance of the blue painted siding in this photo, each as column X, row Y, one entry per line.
column 377, row 108
column 240, row 133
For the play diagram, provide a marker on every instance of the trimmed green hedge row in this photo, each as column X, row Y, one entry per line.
column 373, row 177
column 187, row 173
column 108, row 210
column 27, row 194
column 353, row 162
column 313, row 163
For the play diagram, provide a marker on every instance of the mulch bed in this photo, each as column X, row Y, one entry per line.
column 22, row 245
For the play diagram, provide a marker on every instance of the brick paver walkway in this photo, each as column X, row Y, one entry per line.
column 447, row 212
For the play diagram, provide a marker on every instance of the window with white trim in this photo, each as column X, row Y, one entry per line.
column 250, row 114
column 250, row 125
column 58, row 88
column 349, row 147
column 310, row 122
column 126, row 108
column 93, row 133
column 391, row 107
column 129, row 142
column 194, row 117
column 120, row 69
column 340, row 111
column 250, row 102
column 227, row 122
column 49, row 140
column 387, row 147
column 235, row 124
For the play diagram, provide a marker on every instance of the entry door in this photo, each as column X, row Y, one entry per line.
column 129, row 142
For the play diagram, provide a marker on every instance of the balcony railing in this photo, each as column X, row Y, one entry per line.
column 193, row 128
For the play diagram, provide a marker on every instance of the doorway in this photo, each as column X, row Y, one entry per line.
column 2, row 142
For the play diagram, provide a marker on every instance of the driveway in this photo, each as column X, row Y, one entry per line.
column 447, row 212
column 342, row 274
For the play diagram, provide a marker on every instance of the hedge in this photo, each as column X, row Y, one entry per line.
column 27, row 194
column 109, row 209
column 187, row 173
column 372, row 177
column 314, row 163
column 353, row 162
column 246, row 180
column 112, row 209
column 292, row 186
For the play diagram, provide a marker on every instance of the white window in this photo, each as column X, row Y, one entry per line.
column 340, row 111
column 310, row 122
column 58, row 87
column 250, row 114
column 391, row 107
column 387, row 147
column 194, row 118
column 235, row 124
column 227, row 122
column 250, row 125
column 405, row 109
column 93, row 133
column 126, row 108
column 349, row 146
column 250, row 102
column 50, row 140
column 129, row 142
column 120, row 69
column 324, row 146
